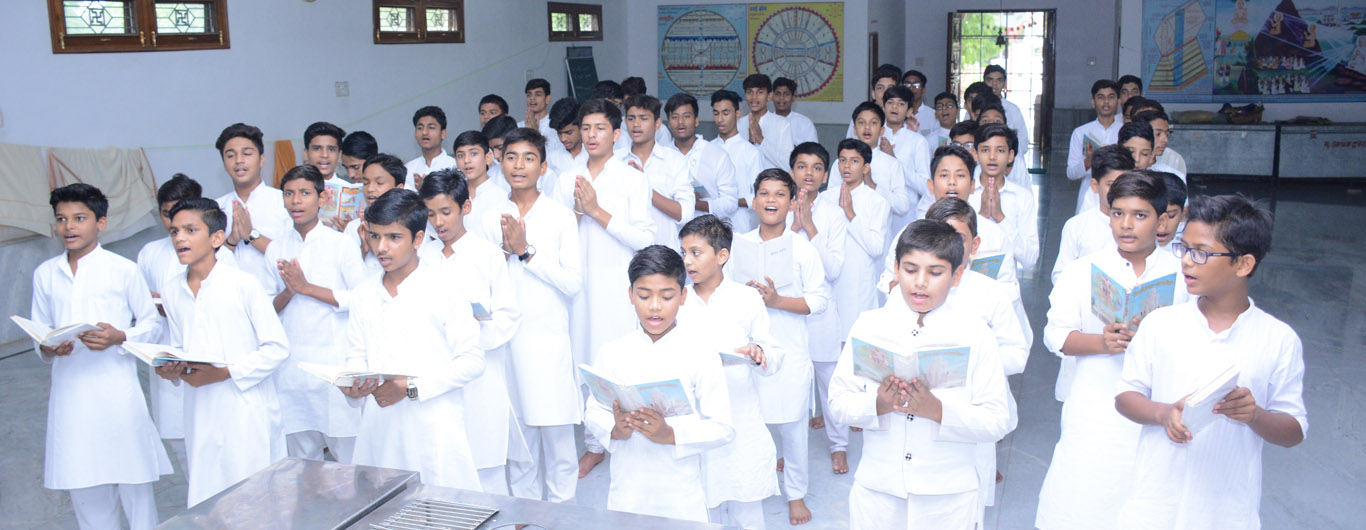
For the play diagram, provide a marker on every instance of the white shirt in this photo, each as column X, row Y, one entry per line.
column 891, row 183
column 803, row 130
column 914, row 154
column 419, row 166
column 904, row 456
column 266, row 205
column 992, row 239
column 667, row 170
column 427, row 330
column 709, row 166
column 369, row 260
column 1085, row 233
column 95, row 394
column 647, row 477
column 561, row 160
column 1016, row 120
column 484, row 199
column 552, row 136
column 1076, row 151
column 824, row 333
column 777, row 145
column 1174, row 160
column 748, row 163
column 1215, row 479
column 863, row 252
column 1021, row 223
column 232, row 427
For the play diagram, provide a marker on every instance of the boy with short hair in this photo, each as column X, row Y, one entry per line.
column 970, row 95
column 491, row 106
column 1166, row 159
column 1137, row 138
column 1009, row 205
column 921, row 116
column 945, row 116
column 942, row 428
column 748, row 161
column 656, row 465
column 1089, row 231
column 1104, row 130
column 1089, row 476
column 255, row 211
column 633, row 86
column 995, row 77
column 95, row 390
column 495, row 130
column 1170, row 226
column 1129, row 107
column 905, row 144
column 1129, row 86
column 671, row 193
column 1213, row 478
column 322, row 149
column 953, row 176
column 215, row 311
column 771, row 133
column 564, row 119
column 429, row 128
column 473, row 156
column 381, row 173
column 709, row 165
column 887, row 177
column 355, row 148
column 784, row 94
column 412, row 320
column 537, row 111
column 884, row 77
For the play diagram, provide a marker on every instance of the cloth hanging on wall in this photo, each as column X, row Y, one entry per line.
column 23, row 193
column 124, row 175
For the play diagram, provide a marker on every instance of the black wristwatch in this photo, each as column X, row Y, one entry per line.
column 530, row 251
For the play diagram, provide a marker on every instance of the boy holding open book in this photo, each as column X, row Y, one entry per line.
column 1210, row 381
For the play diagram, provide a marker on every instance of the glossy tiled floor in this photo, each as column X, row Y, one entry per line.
column 1308, row 281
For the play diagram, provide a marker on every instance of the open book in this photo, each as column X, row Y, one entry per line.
column 1113, row 304
column 937, row 367
column 159, row 354
column 480, row 313
column 345, row 200
column 1094, row 143
column 700, row 191
column 1199, row 410
column 731, row 359
column 988, row 264
column 338, row 376
column 49, row 337
column 754, row 260
column 666, row 397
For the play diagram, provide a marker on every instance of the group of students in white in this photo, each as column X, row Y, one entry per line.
column 476, row 282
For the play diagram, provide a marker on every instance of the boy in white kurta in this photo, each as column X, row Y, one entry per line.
column 255, row 211
column 1010, row 206
column 381, row 173
column 909, row 147
column 541, row 241
column 480, row 269
column 1089, row 476
column 748, row 161
column 771, row 133
column 887, row 175
column 232, row 412
column 918, row 468
column 1211, row 478
column 314, row 272
column 1104, row 130
column 672, row 199
column 1089, row 231
column 656, row 461
column 95, row 391
column 412, row 320
column 473, row 157
column 709, row 166
column 429, row 129
column 738, row 476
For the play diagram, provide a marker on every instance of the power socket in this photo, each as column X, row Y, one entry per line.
column 530, row 74
column 343, row 89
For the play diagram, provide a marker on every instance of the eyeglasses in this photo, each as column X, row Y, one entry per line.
column 946, row 106
column 965, row 145
column 1200, row 257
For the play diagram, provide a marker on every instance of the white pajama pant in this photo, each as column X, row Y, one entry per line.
column 97, row 507
column 745, row 515
column 874, row 510
column 308, row 445
column 837, row 433
column 494, row 480
column 553, row 470
column 791, row 439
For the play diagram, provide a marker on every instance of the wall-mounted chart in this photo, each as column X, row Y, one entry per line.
column 800, row 42
column 701, row 49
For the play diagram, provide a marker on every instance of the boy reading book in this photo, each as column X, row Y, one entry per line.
column 918, row 468
column 429, row 129
column 1090, row 473
column 1211, row 478
column 710, row 171
column 1089, row 231
column 1011, row 206
column 215, row 311
column 255, row 211
column 656, row 463
column 1102, row 131
column 737, row 476
column 95, row 389
column 671, row 193
column 322, row 149
column 412, row 320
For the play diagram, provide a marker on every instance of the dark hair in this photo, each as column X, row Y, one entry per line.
column 1113, row 157
column 987, row 132
column 83, row 193
column 981, row 104
column 954, row 208
column 1140, row 184
column 1149, row 116
column 359, row 144
column 431, row 110
column 757, row 81
column 715, row 230
column 864, row 150
column 563, row 113
column 307, row 172
column 810, row 148
column 974, row 89
column 498, row 126
column 391, row 165
column 607, row 89
column 946, row 95
column 323, row 128
column 601, row 106
column 993, row 68
column 964, row 127
column 449, row 182
column 1103, row 84
column 779, row 175
column 725, row 95
column 398, row 206
column 496, row 100
column 1176, row 188
column 1239, row 223
column 1136, row 129
column 208, row 209
column 526, row 135
column 1130, row 78
column 1148, row 104
column 240, row 130
column 179, row 188
column 885, row 70
column 952, row 150
column 787, row 82
column 899, row 92
column 868, row 106
column 935, row 237
column 633, row 86
column 470, row 138
column 537, row 83
column 1132, row 103
column 916, row 73
column 643, row 101
column 681, row 99
column 657, row 259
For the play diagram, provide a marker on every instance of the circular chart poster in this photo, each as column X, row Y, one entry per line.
column 701, row 49
column 801, row 42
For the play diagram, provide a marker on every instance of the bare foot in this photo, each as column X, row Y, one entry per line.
column 588, row 461
column 999, row 477
column 797, row 513
column 818, row 422
column 780, row 465
column 840, row 461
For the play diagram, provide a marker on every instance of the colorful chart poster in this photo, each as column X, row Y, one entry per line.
column 702, row 49
column 802, row 42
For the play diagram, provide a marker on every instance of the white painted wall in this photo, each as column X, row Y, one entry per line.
column 887, row 18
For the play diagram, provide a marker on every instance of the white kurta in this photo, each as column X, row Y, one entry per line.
column 651, row 478
column 1021, row 223
column 98, row 429
column 928, row 124
column 824, row 333
column 480, row 269
column 1092, row 465
column 1214, row 480
column 993, row 240
column 428, row 331
column 545, row 392
column 1085, row 233
column 913, row 152
column 552, row 136
column 1015, row 119
column 560, row 161
column 602, row 310
column 741, row 470
column 485, row 199
column 777, row 144
column 1076, row 153
column 667, row 170
column 316, row 330
column 232, row 427
column 1174, row 160
column 803, row 129
column 419, row 166
column 709, row 166
column 748, row 163
column 863, row 253
column 268, row 216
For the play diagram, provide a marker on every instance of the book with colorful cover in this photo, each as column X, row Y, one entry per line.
column 668, row 397
column 1199, row 410
column 937, row 367
column 1114, row 304
column 1091, row 142
column 754, row 260
column 480, row 313
column 988, row 264
column 49, row 337
column 160, row 354
column 700, row 191
column 345, row 200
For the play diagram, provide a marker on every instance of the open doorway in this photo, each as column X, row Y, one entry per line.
column 1021, row 42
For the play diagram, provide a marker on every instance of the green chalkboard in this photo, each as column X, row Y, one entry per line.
column 583, row 72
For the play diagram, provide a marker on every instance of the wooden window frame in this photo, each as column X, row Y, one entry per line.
column 421, row 35
column 145, row 37
column 573, row 10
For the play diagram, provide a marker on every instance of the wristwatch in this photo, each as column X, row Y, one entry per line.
column 530, row 251
column 253, row 236
column 412, row 388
